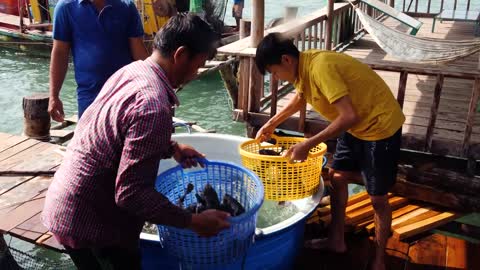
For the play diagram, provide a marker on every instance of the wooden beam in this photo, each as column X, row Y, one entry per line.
column 441, row 179
column 452, row 72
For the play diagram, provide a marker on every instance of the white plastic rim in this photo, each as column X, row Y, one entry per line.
column 224, row 147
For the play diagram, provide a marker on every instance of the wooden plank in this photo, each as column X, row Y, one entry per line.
column 357, row 198
column 395, row 214
column 9, row 182
column 433, row 113
column 397, row 252
column 420, row 217
column 28, row 190
column 410, row 215
column 61, row 133
column 15, row 144
column 41, row 156
column 424, row 225
column 30, row 230
column 363, row 213
column 456, row 253
column 428, row 253
column 21, row 213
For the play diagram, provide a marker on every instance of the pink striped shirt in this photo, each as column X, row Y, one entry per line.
column 104, row 190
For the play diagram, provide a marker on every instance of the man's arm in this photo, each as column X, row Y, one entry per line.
column 347, row 118
column 58, row 69
column 135, row 35
column 138, row 49
column 293, row 106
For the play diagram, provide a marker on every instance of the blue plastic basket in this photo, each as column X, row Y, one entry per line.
column 230, row 244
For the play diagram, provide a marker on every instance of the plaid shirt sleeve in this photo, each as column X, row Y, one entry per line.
column 147, row 140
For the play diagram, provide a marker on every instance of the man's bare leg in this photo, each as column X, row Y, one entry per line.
column 338, row 199
column 383, row 223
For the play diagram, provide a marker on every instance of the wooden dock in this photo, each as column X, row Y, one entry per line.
column 22, row 198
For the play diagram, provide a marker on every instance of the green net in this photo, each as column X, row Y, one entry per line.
column 14, row 259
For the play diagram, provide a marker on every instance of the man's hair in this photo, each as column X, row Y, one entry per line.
column 186, row 30
column 271, row 49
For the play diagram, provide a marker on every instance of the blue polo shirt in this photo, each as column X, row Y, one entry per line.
column 99, row 41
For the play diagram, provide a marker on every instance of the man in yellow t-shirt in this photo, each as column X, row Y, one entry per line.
column 363, row 113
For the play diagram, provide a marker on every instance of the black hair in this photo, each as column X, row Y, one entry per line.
column 186, row 30
column 271, row 49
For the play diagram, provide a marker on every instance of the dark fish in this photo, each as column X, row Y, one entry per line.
column 211, row 198
column 232, row 206
column 208, row 199
column 270, row 152
column 187, row 191
column 200, row 199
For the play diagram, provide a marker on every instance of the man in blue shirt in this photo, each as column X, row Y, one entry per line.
column 103, row 35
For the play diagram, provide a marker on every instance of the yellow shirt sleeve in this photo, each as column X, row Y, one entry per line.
column 329, row 81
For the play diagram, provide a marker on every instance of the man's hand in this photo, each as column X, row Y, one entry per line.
column 209, row 223
column 55, row 109
column 298, row 152
column 187, row 156
column 265, row 132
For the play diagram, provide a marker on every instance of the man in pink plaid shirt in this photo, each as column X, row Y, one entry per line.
column 103, row 192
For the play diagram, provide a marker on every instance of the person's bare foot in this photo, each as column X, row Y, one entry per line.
column 325, row 244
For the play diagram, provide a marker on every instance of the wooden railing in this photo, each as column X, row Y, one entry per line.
column 429, row 8
column 441, row 74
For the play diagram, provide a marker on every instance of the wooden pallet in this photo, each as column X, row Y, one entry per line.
column 410, row 218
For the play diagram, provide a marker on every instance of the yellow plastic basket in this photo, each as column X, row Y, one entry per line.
column 282, row 180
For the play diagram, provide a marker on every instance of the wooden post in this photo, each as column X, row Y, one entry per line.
column 231, row 84
column 243, row 68
column 433, row 113
column 245, row 26
column 290, row 13
column 392, row 3
column 329, row 28
column 255, row 87
column 471, row 117
column 258, row 23
column 36, row 123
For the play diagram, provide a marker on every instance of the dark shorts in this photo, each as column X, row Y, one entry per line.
column 376, row 160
